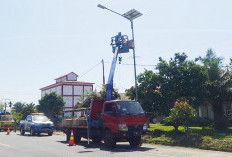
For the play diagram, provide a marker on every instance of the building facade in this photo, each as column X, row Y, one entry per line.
column 206, row 110
column 69, row 89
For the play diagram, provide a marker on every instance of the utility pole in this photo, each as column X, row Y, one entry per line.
column 5, row 100
column 103, row 69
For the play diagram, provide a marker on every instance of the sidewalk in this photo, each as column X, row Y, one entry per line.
column 184, row 152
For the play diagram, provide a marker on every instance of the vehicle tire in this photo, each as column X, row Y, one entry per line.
column 135, row 141
column 96, row 139
column 77, row 138
column 109, row 139
column 32, row 132
column 22, row 131
column 50, row 133
column 68, row 134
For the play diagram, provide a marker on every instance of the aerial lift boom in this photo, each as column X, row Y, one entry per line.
column 120, row 44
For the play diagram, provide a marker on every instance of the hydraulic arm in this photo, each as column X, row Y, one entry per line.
column 120, row 44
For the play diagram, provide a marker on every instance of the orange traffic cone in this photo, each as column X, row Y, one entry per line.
column 8, row 132
column 71, row 141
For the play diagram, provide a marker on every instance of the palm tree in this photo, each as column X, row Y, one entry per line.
column 18, row 107
column 28, row 109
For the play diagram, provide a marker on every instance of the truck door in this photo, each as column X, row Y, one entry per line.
column 109, row 117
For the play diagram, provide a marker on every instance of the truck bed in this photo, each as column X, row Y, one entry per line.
column 74, row 122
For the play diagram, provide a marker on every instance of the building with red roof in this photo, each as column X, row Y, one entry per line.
column 69, row 89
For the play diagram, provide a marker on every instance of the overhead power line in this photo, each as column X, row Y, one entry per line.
column 136, row 64
column 90, row 69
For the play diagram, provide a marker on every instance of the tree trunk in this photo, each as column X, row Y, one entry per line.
column 176, row 128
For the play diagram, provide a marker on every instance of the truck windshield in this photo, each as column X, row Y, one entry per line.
column 40, row 118
column 6, row 118
column 129, row 108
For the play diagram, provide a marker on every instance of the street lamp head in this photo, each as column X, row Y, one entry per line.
column 132, row 14
column 101, row 6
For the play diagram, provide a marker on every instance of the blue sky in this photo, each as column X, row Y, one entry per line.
column 41, row 40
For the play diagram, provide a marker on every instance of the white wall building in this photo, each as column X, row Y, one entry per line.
column 69, row 89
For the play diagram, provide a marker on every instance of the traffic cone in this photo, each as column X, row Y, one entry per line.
column 71, row 141
column 8, row 132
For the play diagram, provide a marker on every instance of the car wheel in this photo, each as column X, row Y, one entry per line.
column 32, row 132
column 50, row 133
column 22, row 131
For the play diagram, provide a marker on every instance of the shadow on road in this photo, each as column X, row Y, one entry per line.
column 120, row 147
column 29, row 135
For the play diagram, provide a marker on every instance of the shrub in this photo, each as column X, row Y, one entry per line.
column 157, row 133
column 203, row 122
column 181, row 114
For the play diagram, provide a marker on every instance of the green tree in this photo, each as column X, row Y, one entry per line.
column 176, row 79
column 217, row 87
column 51, row 104
column 28, row 109
column 149, row 92
column 2, row 107
column 17, row 116
column 18, row 107
column 23, row 109
column 181, row 79
column 115, row 94
column 85, row 99
column 182, row 114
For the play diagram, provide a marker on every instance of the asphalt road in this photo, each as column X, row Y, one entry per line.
column 15, row 145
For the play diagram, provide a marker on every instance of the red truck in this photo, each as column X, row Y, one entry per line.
column 111, row 121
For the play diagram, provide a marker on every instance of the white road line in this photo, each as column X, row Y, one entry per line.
column 4, row 145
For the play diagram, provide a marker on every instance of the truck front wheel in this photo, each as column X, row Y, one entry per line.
column 22, row 131
column 109, row 139
column 68, row 134
column 135, row 141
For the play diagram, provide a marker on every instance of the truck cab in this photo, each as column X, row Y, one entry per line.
column 123, row 120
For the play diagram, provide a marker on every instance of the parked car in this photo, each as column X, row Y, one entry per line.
column 36, row 123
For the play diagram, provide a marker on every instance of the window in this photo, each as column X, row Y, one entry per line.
column 40, row 118
column 110, row 109
column 129, row 108
column 29, row 118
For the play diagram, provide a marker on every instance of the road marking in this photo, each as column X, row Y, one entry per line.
column 4, row 145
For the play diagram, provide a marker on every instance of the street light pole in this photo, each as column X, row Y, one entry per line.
column 136, row 88
column 130, row 15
